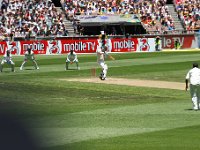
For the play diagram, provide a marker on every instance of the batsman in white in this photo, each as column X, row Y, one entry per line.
column 7, row 58
column 103, row 47
column 29, row 55
column 193, row 77
column 71, row 58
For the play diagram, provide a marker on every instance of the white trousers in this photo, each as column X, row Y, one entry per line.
column 195, row 95
column 7, row 61
column 104, row 67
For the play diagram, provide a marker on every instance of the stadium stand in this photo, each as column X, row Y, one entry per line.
column 189, row 13
column 26, row 18
column 35, row 18
column 154, row 15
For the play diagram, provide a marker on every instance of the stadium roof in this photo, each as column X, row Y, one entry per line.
column 99, row 20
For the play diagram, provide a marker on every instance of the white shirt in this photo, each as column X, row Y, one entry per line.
column 108, row 44
column 194, row 76
column 100, row 54
column 72, row 57
column 7, row 58
column 29, row 56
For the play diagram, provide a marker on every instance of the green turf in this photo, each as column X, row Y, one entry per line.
column 87, row 116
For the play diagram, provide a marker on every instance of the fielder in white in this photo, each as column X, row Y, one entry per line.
column 29, row 55
column 193, row 77
column 104, row 46
column 71, row 58
column 7, row 58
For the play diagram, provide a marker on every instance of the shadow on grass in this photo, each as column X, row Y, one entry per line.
column 189, row 109
column 30, row 69
column 72, row 69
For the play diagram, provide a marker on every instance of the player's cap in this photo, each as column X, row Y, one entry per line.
column 195, row 64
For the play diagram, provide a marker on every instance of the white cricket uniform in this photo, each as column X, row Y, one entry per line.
column 193, row 76
column 29, row 56
column 108, row 44
column 101, row 59
column 72, row 57
column 7, row 59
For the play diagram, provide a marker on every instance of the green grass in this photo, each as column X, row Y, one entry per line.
column 87, row 116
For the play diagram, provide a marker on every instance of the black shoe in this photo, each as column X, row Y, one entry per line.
column 103, row 78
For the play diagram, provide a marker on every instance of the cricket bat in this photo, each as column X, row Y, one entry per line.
column 111, row 57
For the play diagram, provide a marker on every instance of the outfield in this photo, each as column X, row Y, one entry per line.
column 73, row 115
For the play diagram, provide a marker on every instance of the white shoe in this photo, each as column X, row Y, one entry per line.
column 37, row 68
column 78, row 68
column 21, row 68
column 195, row 108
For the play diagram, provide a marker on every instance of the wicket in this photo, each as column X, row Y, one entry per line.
column 93, row 72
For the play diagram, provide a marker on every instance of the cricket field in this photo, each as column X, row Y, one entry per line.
column 74, row 110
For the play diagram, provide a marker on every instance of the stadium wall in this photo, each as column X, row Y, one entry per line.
column 88, row 44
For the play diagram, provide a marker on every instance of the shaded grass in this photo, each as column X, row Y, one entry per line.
column 162, row 140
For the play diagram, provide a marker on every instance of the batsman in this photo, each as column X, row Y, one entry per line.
column 104, row 46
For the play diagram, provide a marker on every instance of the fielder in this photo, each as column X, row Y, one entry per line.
column 71, row 58
column 102, row 51
column 193, row 77
column 29, row 55
column 7, row 58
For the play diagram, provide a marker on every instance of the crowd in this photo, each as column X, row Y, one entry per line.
column 154, row 14
column 26, row 18
column 189, row 13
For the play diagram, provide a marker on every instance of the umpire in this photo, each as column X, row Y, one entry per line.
column 193, row 77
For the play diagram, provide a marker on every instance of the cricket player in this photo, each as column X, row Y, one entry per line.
column 71, row 58
column 102, row 51
column 7, row 58
column 193, row 77
column 29, row 55
column 107, row 42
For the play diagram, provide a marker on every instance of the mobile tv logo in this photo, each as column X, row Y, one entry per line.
column 124, row 44
column 34, row 46
column 79, row 46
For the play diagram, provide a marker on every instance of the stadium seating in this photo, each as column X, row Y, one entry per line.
column 26, row 18
column 189, row 13
column 154, row 15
